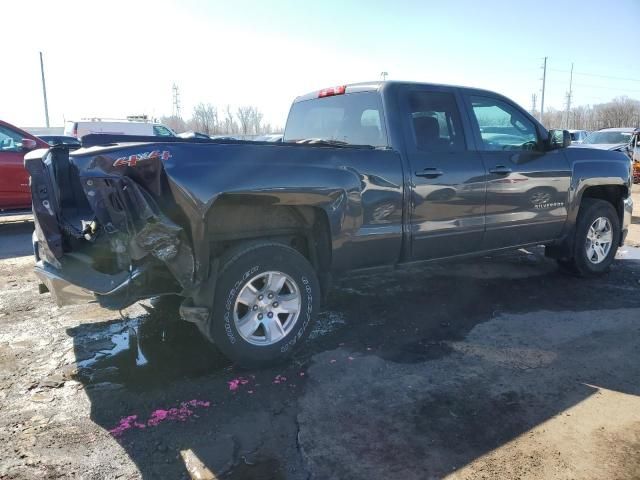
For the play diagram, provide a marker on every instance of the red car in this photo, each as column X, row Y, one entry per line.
column 14, row 179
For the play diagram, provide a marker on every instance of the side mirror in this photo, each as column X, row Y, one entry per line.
column 558, row 139
column 28, row 144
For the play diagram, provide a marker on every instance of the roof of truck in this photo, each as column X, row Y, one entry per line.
column 377, row 85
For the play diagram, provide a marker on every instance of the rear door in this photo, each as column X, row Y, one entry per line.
column 447, row 174
column 14, row 179
column 527, row 186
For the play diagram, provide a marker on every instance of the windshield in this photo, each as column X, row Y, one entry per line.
column 354, row 119
column 608, row 137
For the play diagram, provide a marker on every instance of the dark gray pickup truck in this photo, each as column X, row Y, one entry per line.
column 368, row 175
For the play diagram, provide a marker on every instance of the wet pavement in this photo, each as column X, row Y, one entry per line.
column 500, row 367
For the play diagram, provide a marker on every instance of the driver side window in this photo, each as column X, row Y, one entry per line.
column 502, row 126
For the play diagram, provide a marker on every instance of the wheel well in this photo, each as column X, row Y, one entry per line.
column 305, row 228
column 614, row 194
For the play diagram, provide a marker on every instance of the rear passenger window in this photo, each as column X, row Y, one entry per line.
column 436, row 122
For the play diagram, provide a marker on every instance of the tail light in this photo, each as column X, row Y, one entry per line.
column 331, row 91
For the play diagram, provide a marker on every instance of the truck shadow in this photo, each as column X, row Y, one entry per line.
column 152, row 363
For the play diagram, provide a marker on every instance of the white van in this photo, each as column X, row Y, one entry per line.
column 115, row 127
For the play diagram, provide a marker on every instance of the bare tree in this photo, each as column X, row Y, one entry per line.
column 229, row 125
column 176, row 124
column 205, row 119
column 245, row 115
column 256, row 121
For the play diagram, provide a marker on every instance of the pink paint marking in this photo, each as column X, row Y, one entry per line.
column 280, row 379
column 236, row 382
column 180, row 413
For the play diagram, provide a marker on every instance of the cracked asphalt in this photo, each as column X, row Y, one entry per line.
column 498, row 367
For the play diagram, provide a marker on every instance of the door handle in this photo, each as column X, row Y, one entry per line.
column 500, row 170
column 430, row 172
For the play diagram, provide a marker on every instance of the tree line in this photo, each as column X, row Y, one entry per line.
column 619, row 112
column 208, row 119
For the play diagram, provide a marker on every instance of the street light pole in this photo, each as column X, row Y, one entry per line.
column 544, row 84
column 44, row 92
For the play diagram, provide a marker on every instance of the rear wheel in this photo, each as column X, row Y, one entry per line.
column 267, row 295
column 596, row 239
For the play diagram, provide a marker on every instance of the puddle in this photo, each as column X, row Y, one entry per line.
column 121, row 341
column 258, row 469
column 143, row 352
column 327, row 323
column 418, row 352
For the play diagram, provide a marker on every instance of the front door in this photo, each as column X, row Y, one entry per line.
column 527, row 186
column 448, row 176
column 14, row 179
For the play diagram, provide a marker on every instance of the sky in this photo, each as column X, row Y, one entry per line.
column 113, row 59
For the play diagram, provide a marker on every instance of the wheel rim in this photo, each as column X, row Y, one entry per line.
column 267, row 308
column 599, row 240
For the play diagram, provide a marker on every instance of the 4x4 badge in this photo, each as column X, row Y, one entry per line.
column 132, row 160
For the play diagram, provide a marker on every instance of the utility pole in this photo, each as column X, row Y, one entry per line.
column 44, row 92
column 544, row 85
column 569, row 93
column 384, row 76
column 176, row 101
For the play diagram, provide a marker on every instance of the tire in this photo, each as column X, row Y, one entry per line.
column 242, row 303
column 589, row 262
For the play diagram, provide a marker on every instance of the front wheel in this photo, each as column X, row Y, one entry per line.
column 267, row 295
column 597, row 238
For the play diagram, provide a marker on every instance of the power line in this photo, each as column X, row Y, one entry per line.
column 617, row 89
column 598, row 75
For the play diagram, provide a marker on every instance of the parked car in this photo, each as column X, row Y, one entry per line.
column 71, row 142
column 14, row 179
column 578, row 136
column 80, row 128
column 249, row 235
column 610, row 139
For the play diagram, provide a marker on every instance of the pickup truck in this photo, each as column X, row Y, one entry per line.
column 368, row 175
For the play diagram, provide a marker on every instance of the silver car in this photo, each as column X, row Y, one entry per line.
column 610, row 139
